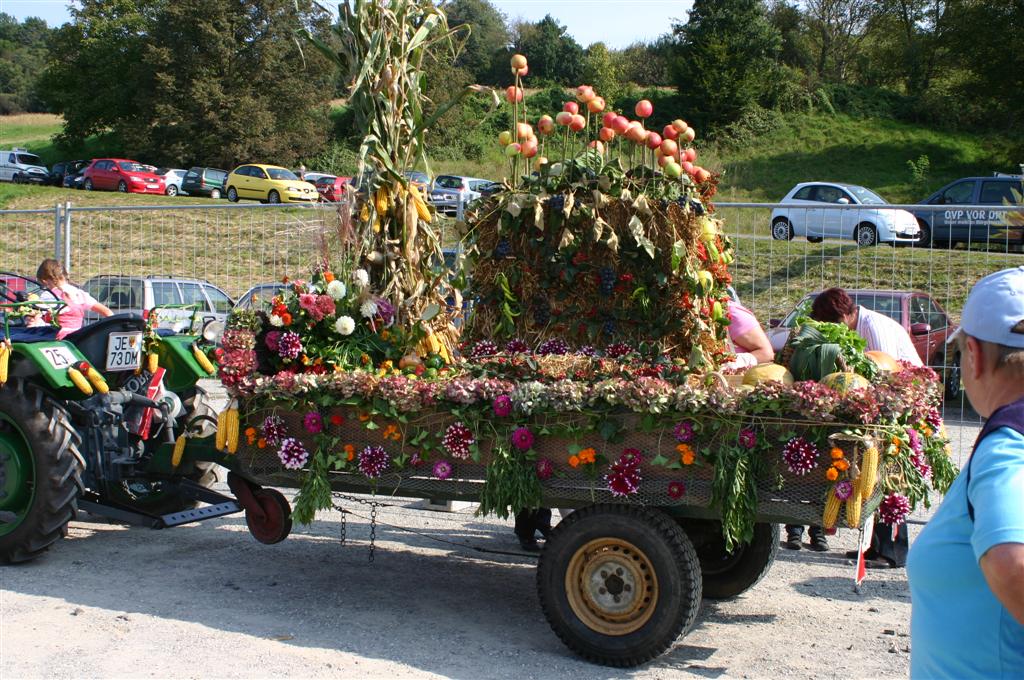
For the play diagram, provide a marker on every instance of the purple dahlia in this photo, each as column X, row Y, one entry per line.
column 522, row 438
column 274, row 430
column 801, row 456
column 894, row 509
column 313, row 422
column 289, row 345
column 293, row 454
column 442, row 469
column 457, row 440
column 374, row 461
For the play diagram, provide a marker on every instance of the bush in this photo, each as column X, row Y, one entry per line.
column 862, row 101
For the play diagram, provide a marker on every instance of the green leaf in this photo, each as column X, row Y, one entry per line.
column 678, row 254
column 431, row 310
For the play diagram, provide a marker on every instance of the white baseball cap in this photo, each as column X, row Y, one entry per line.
column 995, row 307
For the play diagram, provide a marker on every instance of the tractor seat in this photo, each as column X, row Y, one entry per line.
column 32, row 334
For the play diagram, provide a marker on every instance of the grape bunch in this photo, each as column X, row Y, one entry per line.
column 607, row 275
column 541, row 311
column 503, row 249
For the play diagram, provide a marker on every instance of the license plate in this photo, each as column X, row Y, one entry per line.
column 151, row 186
column 124, row 351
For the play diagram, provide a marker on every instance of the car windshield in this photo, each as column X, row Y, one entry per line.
column 479, row 184
column 866, row 196
column 883, row 303
column 326, row 181
column 27, row 159
column 448, row 182
column 417, row 176
column 281, row 173
column 132, row 166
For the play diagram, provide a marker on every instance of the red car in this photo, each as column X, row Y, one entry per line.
column 119, row 174
column 332, row 189
column 927, row 323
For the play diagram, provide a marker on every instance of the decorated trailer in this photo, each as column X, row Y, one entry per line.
column 576, row 356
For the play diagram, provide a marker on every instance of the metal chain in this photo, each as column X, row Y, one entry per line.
column 344, row 526
column 374, row 507
column 373, row 529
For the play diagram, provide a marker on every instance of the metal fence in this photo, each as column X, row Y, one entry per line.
column 236, row 246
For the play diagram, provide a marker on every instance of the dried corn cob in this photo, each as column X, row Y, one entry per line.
column 79, row 380
column 179, row 450
column 421, row 206
column 853, row 506
column 831, row 514
column 5, row 359
column 202, row 359
column 152, row 362
column 869, row 472
column 222, row 430
column 232, row 430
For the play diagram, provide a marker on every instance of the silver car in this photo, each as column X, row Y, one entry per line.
column 814, row 210
column 450, row 193
column 172, row 180
column 183, row 304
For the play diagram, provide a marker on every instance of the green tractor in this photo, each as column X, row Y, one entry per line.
column 90, row 423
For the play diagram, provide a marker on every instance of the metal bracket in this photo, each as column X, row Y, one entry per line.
column 197, row 514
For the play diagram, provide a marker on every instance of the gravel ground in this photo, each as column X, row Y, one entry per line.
column 206, row 600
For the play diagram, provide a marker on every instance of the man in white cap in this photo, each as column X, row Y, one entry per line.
column 966, row 569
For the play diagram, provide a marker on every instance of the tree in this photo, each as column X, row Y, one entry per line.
column 726, row 53
column 483, row 56
column 646, row 63
column 553, row 54
column 601, row 71
column 788, row 20
column 22, row 57
column 191, row 81
column 836, row 30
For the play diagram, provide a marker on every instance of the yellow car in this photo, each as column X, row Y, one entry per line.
column 268, row 184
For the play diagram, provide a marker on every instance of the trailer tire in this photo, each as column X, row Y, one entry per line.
column 728, row 574
column 619, row 583
column 40, row 472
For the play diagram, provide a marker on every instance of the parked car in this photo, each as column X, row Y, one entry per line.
column 489, row 189
column 259, row 296
column 978, row 224
column 923, row 318
column 332, row 189
column 20, row 166
column 313, row 177
column 76, row 180
column 268, row 184
column 139, row 293
column 60, row 171
column 119, row 174
column 420, row 180
column 449, row 191
column 805, row 215
column 204, row 182
column 173, row 177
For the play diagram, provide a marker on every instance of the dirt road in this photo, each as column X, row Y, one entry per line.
column 208, row 601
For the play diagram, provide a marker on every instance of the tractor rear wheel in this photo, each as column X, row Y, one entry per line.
column 40, row 472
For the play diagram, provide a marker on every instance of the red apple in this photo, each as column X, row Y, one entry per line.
column 664, row 159
column 585, row 93
column 653, row 140
column 577, row 123
column 669, row 147
column 688, row 167
column 514, row 94
column 546, row 125
column 609, row 118
column 524, row 130
column 596, row 145
column 636, row 132
column 596, row 105
column 702, row 175
column 571, row 107
column 691, row 154
column 529, row 147
column 521, row 72
column 620, row 124
column 644, row 108
column 504, row 138
column 563, row 118
column 513, row 150
column 518, row 62
column 689, row 134
column 679, row 125
column 606, row 134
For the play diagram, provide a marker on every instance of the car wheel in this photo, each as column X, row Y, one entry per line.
column 865, row 234
column 122, row 186
column 815, row 239
column 954, row 387
column 232, row 195
column 171, row 190
column 273, row 197
column 215, row 193
column 782, row 230
column 88, row 185
column 924, row 239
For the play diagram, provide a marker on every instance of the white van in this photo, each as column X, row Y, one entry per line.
column 18, row 165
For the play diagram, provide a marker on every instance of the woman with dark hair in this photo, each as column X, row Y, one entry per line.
column 54, row 276
column 888, row 547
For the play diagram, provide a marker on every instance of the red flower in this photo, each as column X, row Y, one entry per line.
column 337, row 419
column 676, row 490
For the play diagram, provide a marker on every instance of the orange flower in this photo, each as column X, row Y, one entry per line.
column 364, row 358
column 837, row 453
column 262, row 443
column 842, row 465
column 686, row 454
column 832, row 474
column 587, row 455
column 363, row 416
column 286, row 319
column 928, row 432
column 384, row 335
column 574, row 461
column 250, row 432
column 896, row 442
column 350, row 452
column 328, row 277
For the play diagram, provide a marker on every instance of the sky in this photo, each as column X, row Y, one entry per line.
column 617, row 23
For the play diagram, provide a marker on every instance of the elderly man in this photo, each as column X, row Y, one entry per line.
column 966, row 569
column 888, row 547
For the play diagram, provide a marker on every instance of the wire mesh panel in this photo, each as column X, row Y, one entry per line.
column 28, row 237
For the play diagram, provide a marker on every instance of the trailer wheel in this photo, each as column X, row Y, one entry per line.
column 40, row 472
column 619, row 584
column 276, row 523
column 728, row 574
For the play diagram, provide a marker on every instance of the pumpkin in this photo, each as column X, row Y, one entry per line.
column 884, row 362
column 767, row 373
column 844, row 382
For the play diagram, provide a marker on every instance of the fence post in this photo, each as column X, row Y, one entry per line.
column 58, row 230
column 67, row 236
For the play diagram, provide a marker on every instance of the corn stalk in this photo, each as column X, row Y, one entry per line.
column 380, row 47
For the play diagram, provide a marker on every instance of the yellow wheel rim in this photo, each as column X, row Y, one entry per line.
column 611, row 586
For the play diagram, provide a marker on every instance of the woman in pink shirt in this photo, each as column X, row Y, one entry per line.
column 748, row 339
column 52, row 274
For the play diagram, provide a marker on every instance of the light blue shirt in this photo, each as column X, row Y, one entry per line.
column 958, row 628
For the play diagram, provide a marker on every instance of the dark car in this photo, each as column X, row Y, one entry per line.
column 204, row 182
column 75, row 180
column 60, row 171
column 977, row 223
column 923, row 318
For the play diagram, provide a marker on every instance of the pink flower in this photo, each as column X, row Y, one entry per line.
column 800, row 455
column 502, row 406
column 373, row 461
column 545, row 468
column 272, row 338
column 683, row 432
column 624, row 476
column 843, row 490
column 748, row 438
column 676, row 490
column 894, row 509
column 313, row 422
column 522, row 439
column 289, row 345
column 307, row 301
column 293, row 454
column 442, row 469
column 325, row 305
column 458, row 441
